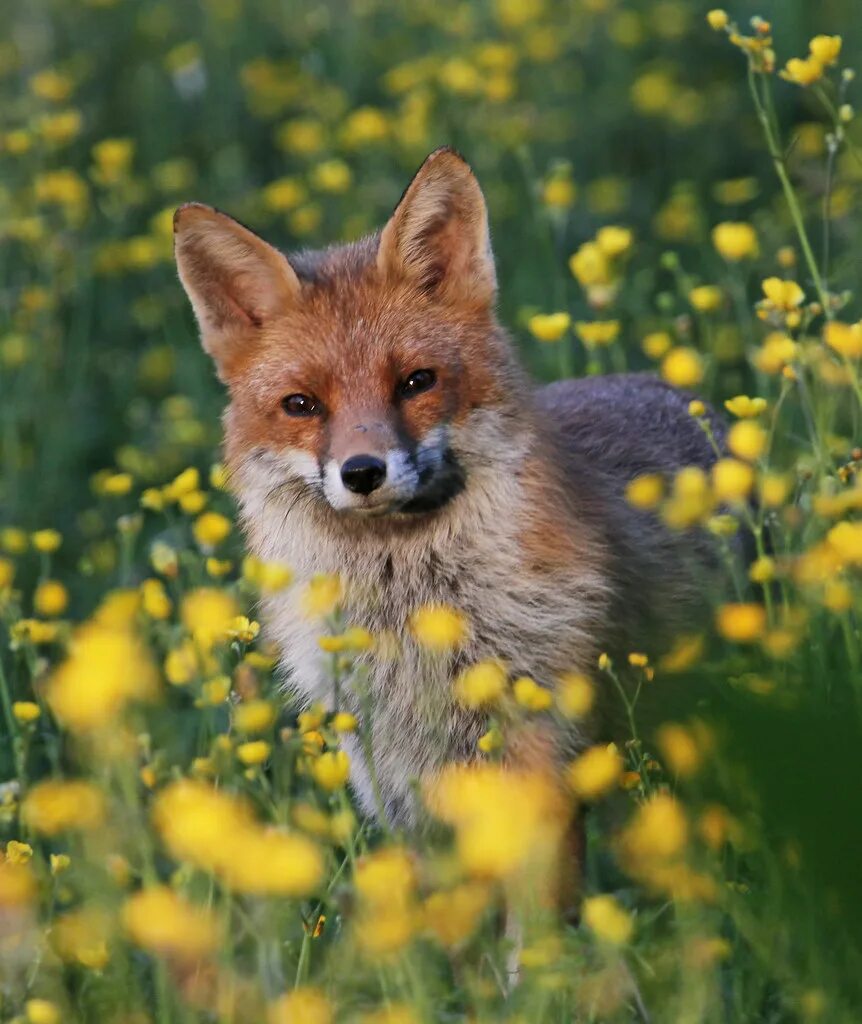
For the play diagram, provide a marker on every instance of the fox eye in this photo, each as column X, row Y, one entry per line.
column 417, row 382
column 301, row 405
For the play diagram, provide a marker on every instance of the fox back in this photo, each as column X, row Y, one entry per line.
column 380, row 428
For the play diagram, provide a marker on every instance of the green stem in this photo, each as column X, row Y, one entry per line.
column 764, row 109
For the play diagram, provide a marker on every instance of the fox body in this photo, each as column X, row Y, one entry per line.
column 380, row 428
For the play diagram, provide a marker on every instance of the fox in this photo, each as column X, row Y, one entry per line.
column 380, row 427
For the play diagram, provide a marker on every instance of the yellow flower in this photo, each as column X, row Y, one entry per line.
column 80, row 937
column 17, row 885
column 774, row 489
column 657, row 344
column 210, row 529
column 679, row 748
column 530, row 695
column 614, row 241
column 52, row 85
column 845, row 339
column 782, row 295
column 206, row 827
column 590, row 266
column 332, row 176
column 60, row 862
column 363, row 127
column 243, row 629
column 696, row 408
column 646, row 491
column 490, row 741
column 826, row 49
column 331, row 770
column 46, row 541
column 744, row 407
column 747, row 440
column 504, row 821
column 595, row 772
column 18, row 853
column 185, row 483
column 33, row 631
column 598, row 332
column 218, row 567
column 284, row 194
column 208, row 613
column 105, row 669
column 735, row 241
column 559, row 192
column 271, row 863
column 682, row 367
column 685, row 652
column 718, row 19
column 116, row 485
column 182, row 664
column 452, row 917
column 802, row 72
column 153, row 499
column 732, row 480
column 155, row 600
column 706, row 298
column 322, row 595
column 343, row 721
column 846, row 540
column 575, row 695
column 159, row 920
column 270, row 577
column 58, row 805
column 549, row 326
column 25, row 711
column 214, row 692
column 254, row 716
column 13, row 540
column 51, row 598
column 777, row 351
column 253, row 753
column 7, row 573
column 481, row 684
column 741, row 623
column 312, row 719
column 303, row 1005
column 439, row 627
column 607, row 920
column 41, row 1011
column 762, row 570
column 192, row 502
column 659, row 830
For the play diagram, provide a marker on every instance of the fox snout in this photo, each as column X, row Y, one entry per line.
column 372, row 469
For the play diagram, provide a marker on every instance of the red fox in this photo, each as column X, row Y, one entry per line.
column 381, row 428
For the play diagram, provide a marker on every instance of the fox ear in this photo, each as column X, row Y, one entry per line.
column 236, row 282
column 438, row 236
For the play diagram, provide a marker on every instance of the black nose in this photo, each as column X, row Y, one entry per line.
column 363, row 474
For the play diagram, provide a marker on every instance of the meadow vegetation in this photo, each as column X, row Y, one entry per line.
column 671, row 188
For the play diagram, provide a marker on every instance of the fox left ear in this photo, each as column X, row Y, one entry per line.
column 438, row 237
column 235, row 281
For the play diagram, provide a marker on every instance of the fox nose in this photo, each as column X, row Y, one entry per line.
column 363, row 474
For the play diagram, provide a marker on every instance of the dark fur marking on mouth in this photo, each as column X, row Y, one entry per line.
column 388, row 570
column 444, row 484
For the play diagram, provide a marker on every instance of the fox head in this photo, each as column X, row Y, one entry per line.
column 355, row 371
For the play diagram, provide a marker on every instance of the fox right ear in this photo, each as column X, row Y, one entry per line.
column 437, row 238
column 236, row 282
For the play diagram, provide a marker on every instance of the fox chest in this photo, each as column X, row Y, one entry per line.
column 536, row 627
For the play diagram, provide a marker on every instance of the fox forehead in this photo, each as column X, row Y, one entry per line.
column 354, row 336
